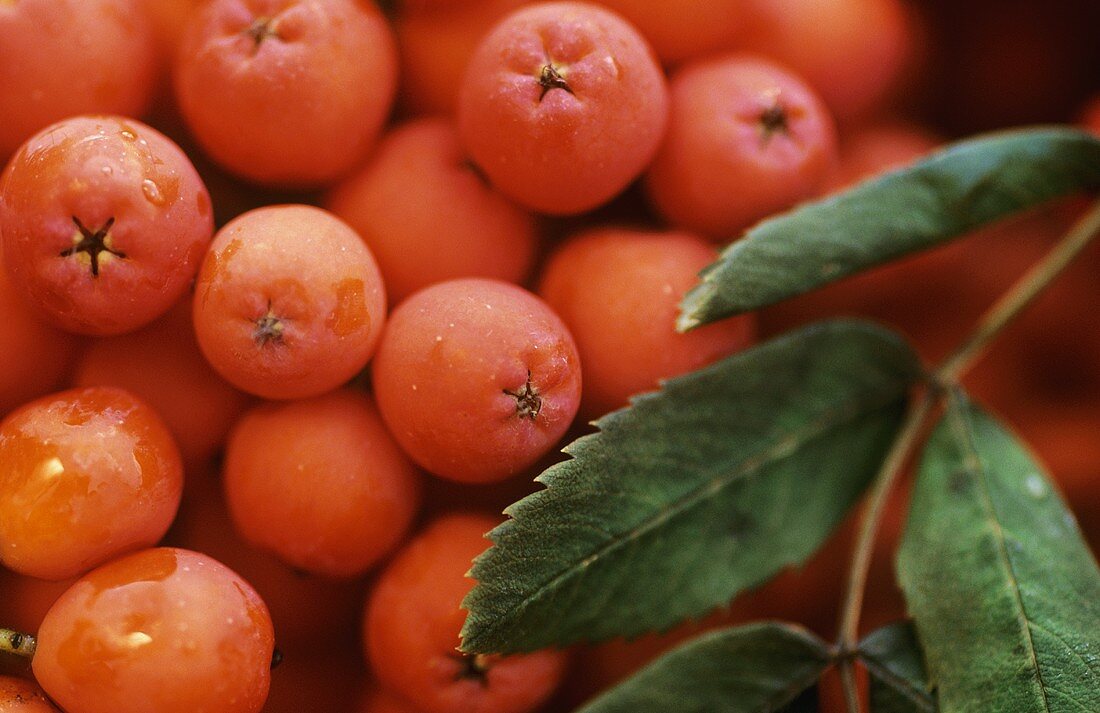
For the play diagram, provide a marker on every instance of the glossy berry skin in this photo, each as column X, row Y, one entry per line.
column 169, row 19
column 104, row 222
column 436, row 41
column 35, row 357
column 619, row 292
column 304, row 608
column 85, row 475
column 320, row 482
column 412, row 622
column 289, row 302
column 428, row 215
column 18, row 695
column 158, row 631
column 878, row 148
column 853, row 52
column 307, row 85
column 161, row 364
column 746, row 139
column 476, row 379
column 562, row 105
column 60, row 58
column 684, row 29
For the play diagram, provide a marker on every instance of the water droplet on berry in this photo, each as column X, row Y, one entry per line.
column 152, row 192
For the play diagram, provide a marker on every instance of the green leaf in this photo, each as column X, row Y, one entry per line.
column 1005, row 594
column 898, row 681
column 695, row 493
column 757, row 668
column 954, row 191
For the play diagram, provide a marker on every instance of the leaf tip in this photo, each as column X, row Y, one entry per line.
column 466, row 637
column 686, row 322
column 693, row 304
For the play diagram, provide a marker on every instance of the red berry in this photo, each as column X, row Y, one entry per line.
column 162, row 630
column 476, row 379
column 320, row 482
column 104, row 222
column 35, row 357
column 412, row 622
column 162, row 365
column 59, row 58
column 85, row 475
column 289, row 302
column 429, row 216
column 286, row 92
column 21, row 696
column 746, row 139
column 619, row 292
column 562, row 105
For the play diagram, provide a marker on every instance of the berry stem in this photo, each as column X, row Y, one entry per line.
column 16, row 643
column 269, row 328
column 528, row 401
column 93, row 243
column 473, row 667
column 551, row 78
column 260, row 30
column 774, row 120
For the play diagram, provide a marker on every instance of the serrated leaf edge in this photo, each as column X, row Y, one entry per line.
column 784, row 447
column 692, row 316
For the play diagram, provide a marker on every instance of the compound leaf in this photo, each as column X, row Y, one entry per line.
column 757, row 668
column 895, row 663
column 958, row 189
column 695, row 492
column 1004, row 591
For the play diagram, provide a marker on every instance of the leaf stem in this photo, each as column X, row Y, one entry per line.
column 1022, row 294
column 16, row 643
column 999, row 316
column 848, row 682
column 868, row 530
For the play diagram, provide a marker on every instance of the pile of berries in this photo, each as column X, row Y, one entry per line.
column 272, row 387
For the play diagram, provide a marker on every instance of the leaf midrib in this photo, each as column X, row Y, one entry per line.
column 867, row 403
column 899, row 683
column 703, row 304
column 788, row 694
column 797, row 684
column 962, row 417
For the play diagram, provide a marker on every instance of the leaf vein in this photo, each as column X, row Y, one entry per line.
column 968, row 440
column 784, row 445
column 899, row 683
column 1071, row 698
column 795, row 687
column 1061, row 639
